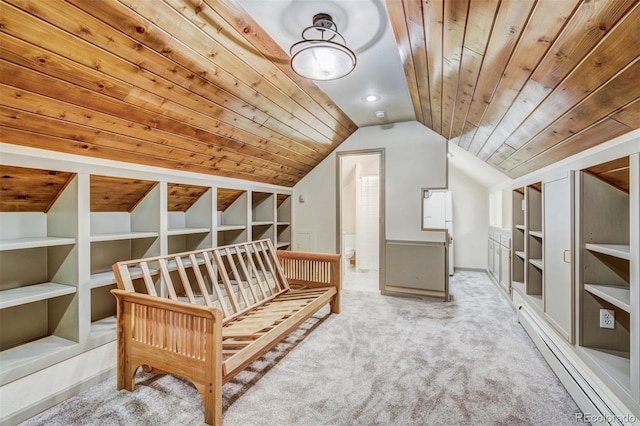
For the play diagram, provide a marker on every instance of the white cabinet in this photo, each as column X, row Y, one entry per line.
column 558, row 283
column 505, row 263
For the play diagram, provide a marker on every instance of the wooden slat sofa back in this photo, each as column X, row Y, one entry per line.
column 207, row 314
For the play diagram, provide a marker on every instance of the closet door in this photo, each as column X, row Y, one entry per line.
column 558, row 280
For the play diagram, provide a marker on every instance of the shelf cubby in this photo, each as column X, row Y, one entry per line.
column 263, row 219
column 124, row 224
column 38, row 269
column 534, row 277
column 605, row 270
column 283, row 214
column 518, row 240
column 232, row 208
column 189, row 217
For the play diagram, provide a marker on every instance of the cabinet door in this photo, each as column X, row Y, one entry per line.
column 505, row 269
column 558, row 281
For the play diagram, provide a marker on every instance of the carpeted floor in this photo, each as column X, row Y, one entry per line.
column 382, row 361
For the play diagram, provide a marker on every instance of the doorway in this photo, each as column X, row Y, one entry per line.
column 360, row 216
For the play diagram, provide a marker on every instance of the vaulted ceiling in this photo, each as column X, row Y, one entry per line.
column 522, row 84
column 198, row 85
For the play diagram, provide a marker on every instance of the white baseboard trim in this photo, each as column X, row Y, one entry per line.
column 58, row 397
column 596, row 405
column 463, row 268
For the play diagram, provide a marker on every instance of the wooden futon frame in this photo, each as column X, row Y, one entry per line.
column 205, row 315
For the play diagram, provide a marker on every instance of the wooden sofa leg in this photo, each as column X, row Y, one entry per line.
column 335, row 304
column 212, row 399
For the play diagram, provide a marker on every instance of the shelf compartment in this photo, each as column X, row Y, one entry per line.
column 617, row 366
column 34, row 242
column 103, row 330
column 618, row 296
column 621, row 251
column 519, row 287
column 33, row 293
column 189, row 217
column 33, row 356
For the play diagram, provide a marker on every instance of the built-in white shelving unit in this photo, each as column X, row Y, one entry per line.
column 60, row 234
column 608, row 272
column 576, row 261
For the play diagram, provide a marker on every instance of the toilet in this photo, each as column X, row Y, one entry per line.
column 349, row 248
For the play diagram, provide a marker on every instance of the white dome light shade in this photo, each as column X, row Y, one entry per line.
column 317, row 56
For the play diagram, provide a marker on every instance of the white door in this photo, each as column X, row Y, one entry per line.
column 558, row 256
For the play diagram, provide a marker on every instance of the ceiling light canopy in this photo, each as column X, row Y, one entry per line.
column 323, row 53
column 371, row 98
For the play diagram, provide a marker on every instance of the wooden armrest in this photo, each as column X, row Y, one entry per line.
column 303, row 255
column 170, row 305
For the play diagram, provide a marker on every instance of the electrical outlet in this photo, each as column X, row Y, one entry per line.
column 607, row 318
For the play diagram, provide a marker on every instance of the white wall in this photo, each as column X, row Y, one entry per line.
column 470, row 220
column 415, row 158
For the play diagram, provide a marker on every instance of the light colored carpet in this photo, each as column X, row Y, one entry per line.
column 382, row 361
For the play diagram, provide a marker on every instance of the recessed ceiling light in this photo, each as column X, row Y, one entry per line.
column 371, row 98
column 381, row 114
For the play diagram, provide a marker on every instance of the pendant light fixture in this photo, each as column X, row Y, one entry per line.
column 323, row 53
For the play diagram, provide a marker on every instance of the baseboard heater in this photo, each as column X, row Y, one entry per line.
column 596, row 407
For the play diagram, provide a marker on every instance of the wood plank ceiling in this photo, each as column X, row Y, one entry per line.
column 522, row 84
column 197, row 85
column 180, row 84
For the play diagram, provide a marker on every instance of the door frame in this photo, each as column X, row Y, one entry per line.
column 381, row 200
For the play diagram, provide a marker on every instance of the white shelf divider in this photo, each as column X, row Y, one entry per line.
column 34, row 242
column 618, row 296
column 537, row 234
column 188, row 231
column 520, row 227
column 106, row 278
column 33, row 293
column 32, row 352
column 123, row 236
column 231, row 227
column 616, row 250
column 262, row 223
column 537, row 263
column 520, row 254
